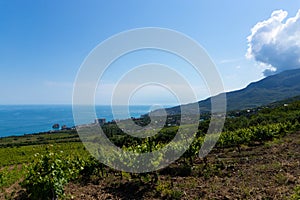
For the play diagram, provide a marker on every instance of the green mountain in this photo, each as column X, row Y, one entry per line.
column 268, row 90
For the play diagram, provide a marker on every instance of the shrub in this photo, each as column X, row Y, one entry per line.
column 46, row 176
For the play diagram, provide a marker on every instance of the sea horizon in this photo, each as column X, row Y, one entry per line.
column 20, row 119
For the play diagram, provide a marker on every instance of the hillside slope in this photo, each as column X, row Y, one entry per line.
column 270, row 89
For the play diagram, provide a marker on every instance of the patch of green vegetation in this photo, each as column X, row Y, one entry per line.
column 11, row 174
column 52, row 171
column 40, row 138
column 23, row 154
column 166, row 191
column 296, row 195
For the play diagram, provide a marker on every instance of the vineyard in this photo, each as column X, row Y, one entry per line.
column 256, row 156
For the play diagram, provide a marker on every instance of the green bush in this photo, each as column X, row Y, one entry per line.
column 49, row 173
column 46, row 176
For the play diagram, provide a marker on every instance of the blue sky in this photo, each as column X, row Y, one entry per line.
column 43, row 43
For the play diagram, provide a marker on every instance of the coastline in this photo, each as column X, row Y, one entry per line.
column 17, row 120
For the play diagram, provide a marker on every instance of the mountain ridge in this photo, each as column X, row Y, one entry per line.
column 265, row 91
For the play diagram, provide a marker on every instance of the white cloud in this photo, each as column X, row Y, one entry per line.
column 275, row 42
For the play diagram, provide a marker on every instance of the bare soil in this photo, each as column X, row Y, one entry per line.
column 266, row 171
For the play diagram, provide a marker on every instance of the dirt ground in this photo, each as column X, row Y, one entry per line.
column 266, row 171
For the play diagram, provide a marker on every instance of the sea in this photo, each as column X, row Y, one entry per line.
column 27, row 119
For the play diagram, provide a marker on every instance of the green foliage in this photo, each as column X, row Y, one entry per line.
column 50, row 172
column 166, row 191
column 296, row 195
column 259, row 133
column 10, row 175
column 46, row 177
column 69, row 161
column 23, row 154
column 89, row 167
column 40, row 138
column 1, row 180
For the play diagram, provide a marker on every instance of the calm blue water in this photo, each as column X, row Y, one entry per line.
column 24, row 119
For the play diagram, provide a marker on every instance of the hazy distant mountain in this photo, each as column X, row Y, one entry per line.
column 270, row 89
